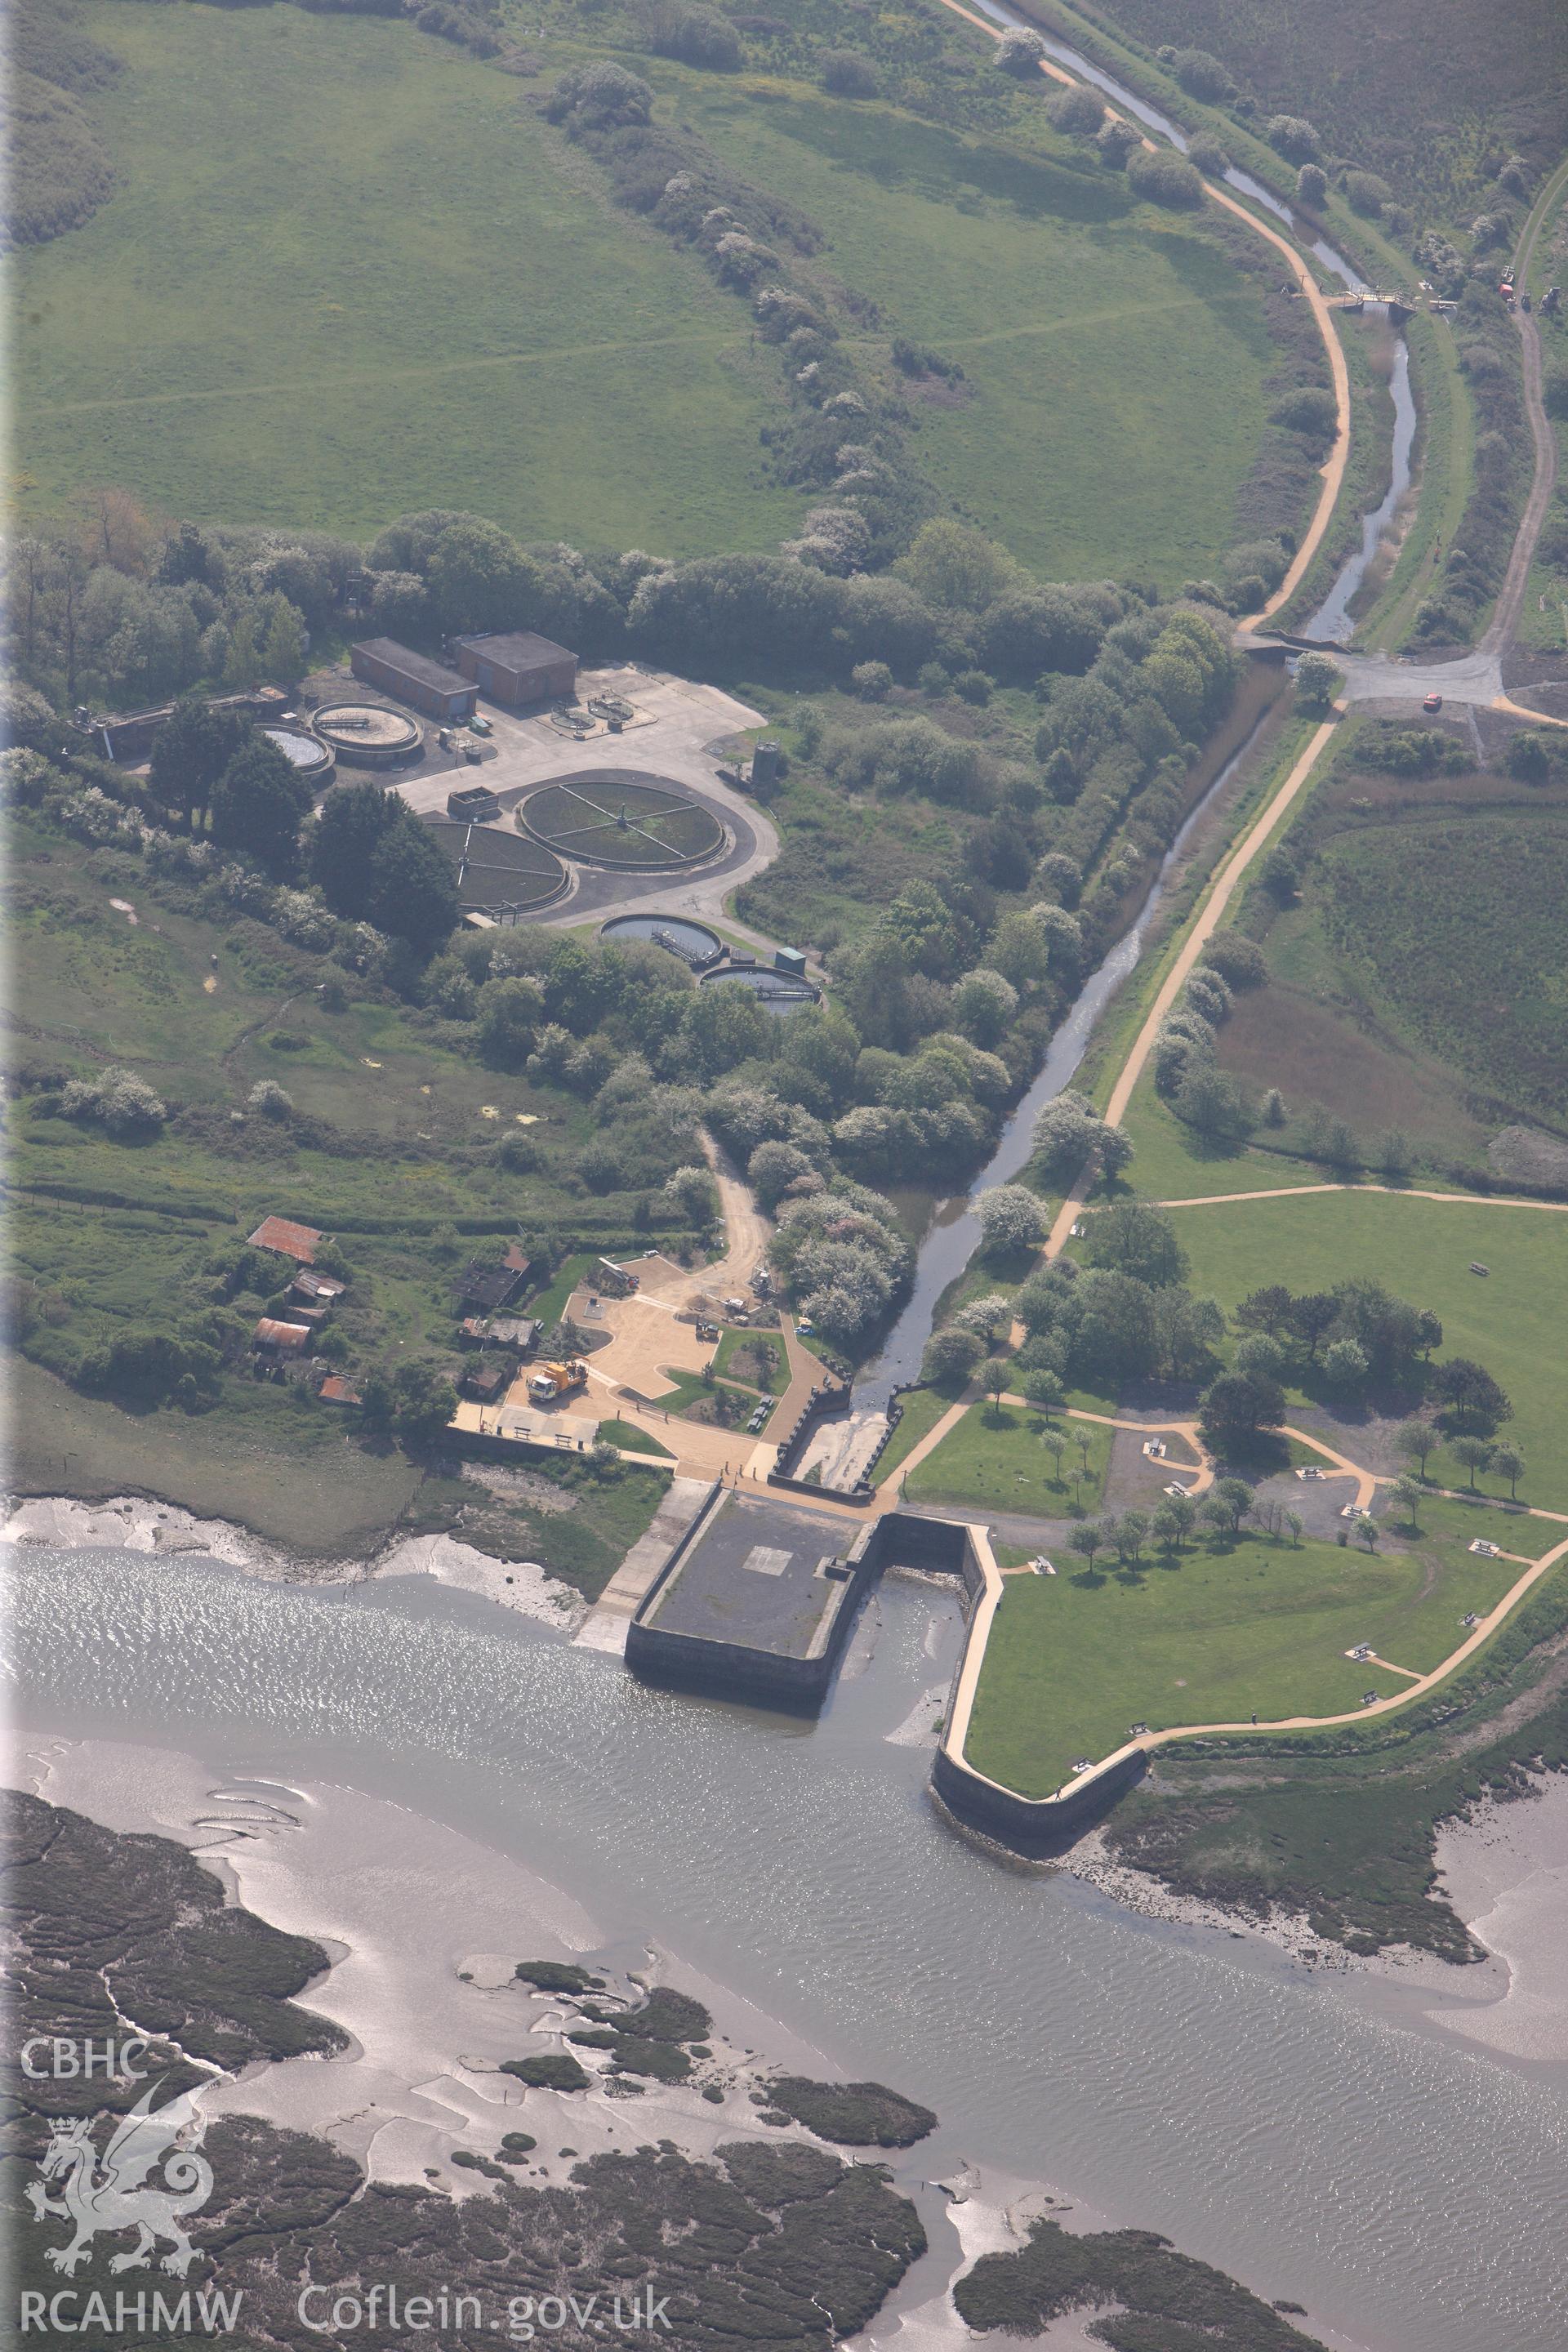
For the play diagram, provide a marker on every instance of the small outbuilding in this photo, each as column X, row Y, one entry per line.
column 473, row 804
column 519, row 667
column 486, row 1285
column 414, row 678
column 271, row 1338
column 316, row 1290
column 519, row 1332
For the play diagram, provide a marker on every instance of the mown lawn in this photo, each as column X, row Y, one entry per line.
column 751, row 1347
column 690, row 1388
column 1510, row 1320
column 349, row 272
column 995, row 1459
column 1102, row 341
column 923, row 1409
column 1209, row 1637
column 632, row 1440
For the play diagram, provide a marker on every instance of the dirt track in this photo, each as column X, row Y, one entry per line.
column 1510, row 598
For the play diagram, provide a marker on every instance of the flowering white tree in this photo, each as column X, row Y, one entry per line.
column 1011, row 1218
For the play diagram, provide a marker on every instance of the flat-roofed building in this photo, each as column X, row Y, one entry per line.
column 519, row 667
column 414, row 678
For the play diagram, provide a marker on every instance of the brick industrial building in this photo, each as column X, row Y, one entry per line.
column 519, row 667
column 414, row 678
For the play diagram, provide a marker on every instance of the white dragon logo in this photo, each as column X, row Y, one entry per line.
column 112, row 2194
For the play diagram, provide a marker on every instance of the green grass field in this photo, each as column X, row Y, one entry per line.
column 1101, row 340
column 348, row 272
column 688, row 1389
column 923, row 1409
column 995, row 1459
column 750, row 1346
column 1511, row 1319
column 1212, row 1636
column 551, row 1304
column 632, row 1440
column 389, row 1147
column 203, row 1011
column 1415, row 974
column 1171, row 1162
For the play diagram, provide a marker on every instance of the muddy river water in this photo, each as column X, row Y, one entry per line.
column 1318, row 2137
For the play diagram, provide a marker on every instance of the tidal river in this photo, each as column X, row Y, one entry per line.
column 1317, row 2137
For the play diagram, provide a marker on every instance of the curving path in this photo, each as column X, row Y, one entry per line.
column 1367, row 1484
column 1475, row 678
column 1333, row 473
column 1399, row 1192
column 1417, row 1688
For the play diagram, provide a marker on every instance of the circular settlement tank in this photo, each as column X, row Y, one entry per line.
column 622, row 817
column 693, row 942
column 368, row 734
column 304, row 751
column 775, row 991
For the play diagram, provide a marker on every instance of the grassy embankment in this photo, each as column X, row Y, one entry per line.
column 923, row 1409
column 1442, row 462
column 1217, row 1632
column 566, row 1515
column 1369, row 357
column 485, row 348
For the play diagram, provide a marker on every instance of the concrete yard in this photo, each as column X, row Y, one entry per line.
column 755, row 1577
column 678, row 725
column 841, row 1449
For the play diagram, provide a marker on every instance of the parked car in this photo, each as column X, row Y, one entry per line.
column 1433, row 702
